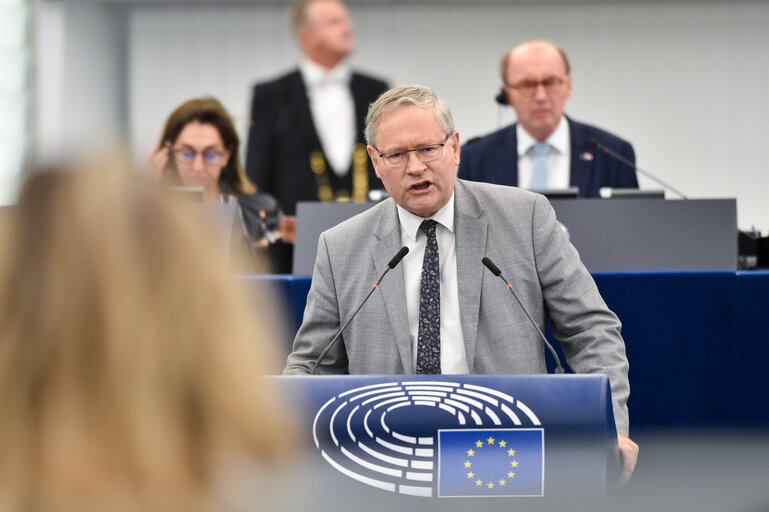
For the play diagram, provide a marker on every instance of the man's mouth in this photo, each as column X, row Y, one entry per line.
column 421, row 185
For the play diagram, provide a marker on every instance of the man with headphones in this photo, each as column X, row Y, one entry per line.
column 545, row 149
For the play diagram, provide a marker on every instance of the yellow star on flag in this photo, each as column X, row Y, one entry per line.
column 468, row 463
column 470, row 452
column 490, row 485
column 470, row 474
column 511, row 452
column 479, row 443
column 479, row 483
column 502, row 443
column 514, row 463
column 502, row 482
column 490, row 440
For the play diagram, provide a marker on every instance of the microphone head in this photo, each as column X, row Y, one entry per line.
column 596, row 143
column 490, row 265
column 398, row 257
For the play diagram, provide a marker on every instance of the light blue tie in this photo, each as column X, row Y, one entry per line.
column 541, row 151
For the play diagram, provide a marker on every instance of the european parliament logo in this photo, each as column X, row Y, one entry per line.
column 433, row 438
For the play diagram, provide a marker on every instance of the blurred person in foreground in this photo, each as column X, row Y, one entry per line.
column 545, row 149
column 199, row 148
column 441, row 311
column 129, row 359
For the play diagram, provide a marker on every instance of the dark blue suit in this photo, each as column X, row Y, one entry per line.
column 494, row 159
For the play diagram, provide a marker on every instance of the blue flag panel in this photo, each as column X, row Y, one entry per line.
column 491, row 462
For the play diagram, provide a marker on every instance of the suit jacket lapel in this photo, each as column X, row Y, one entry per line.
column 361, row 99
column 470, row 235
column 505, row 160
column 301, row 104
column 393, row 287
column 581, row 168
column 512, row 149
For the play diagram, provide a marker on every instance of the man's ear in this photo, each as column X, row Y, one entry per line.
column 569, row 85
column 374, row 156
column 455, row 146
column 304, row 37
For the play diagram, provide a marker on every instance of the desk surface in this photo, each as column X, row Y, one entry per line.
column 610, row 234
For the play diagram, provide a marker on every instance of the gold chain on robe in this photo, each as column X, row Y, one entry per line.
column 360, row 184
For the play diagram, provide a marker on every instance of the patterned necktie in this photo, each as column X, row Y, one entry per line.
column 541, row 151
column 429, row 334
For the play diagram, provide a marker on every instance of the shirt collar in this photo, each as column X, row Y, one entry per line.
column 410, row 223
column 559, row 139
column 314, row 74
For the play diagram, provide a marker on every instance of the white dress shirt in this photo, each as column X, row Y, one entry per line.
column 333, row 112
column 558, row 163
column 453, row 358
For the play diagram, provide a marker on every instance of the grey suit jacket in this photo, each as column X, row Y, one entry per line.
column 518, row 231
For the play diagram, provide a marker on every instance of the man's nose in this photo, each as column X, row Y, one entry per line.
column 413, row 163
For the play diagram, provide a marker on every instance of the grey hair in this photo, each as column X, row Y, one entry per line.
column 417, row 95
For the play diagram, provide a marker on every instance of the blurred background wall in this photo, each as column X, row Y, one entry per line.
column 685, row 81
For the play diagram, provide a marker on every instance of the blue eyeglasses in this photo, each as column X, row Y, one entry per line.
column 187, row 156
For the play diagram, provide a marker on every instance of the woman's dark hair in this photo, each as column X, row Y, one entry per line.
column 233, row 179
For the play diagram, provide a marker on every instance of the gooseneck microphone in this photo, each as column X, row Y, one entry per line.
column 495, row 270
column 594, row 142
column 391, row 265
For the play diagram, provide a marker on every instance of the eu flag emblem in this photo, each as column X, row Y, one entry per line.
column 491, row 462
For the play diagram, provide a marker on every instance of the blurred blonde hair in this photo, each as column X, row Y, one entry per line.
column 129, row 362
column 301, row 14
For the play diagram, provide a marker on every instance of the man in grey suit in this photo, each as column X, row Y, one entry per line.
column 440, row 310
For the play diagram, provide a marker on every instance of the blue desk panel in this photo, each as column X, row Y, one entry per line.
column 697, row 342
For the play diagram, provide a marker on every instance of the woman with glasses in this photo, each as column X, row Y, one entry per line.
column 199, row 148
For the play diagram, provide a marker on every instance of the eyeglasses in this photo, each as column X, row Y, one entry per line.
column 425, row 154
column 187, row 156
column 529, row 87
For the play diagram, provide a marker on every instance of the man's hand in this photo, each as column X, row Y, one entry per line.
column 629, row 452
column 288, row 228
